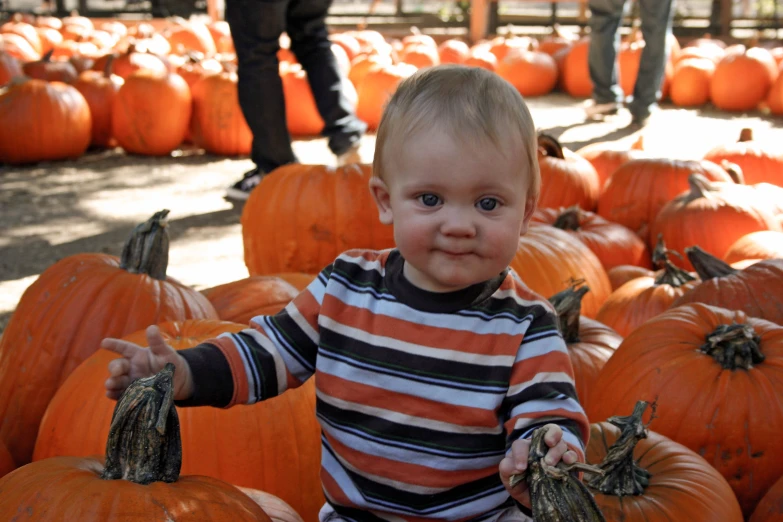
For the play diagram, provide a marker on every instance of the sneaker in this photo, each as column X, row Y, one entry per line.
column 598, row 111
column 640, row 121
column 240, row 190
column 350, row 156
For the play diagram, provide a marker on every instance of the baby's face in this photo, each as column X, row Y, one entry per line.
column 457, row 210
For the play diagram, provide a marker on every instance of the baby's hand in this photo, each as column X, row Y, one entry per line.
column 516, row 461
column 139, row 362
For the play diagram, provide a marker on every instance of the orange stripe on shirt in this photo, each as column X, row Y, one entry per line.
column 367, row 395
column 527, row 369
column 238, row 372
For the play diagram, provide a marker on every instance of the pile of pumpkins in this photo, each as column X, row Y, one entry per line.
column 110, row 85
column 666, row 275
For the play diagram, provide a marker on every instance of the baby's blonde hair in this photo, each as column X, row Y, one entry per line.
column 474, row 105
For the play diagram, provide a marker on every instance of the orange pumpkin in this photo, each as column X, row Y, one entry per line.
column 566, row 178
column 482, row 58
column 613, row 244
column 63, row 316
column 590, row 343
column 576, row 73
column 139, row 480
column 42, row 121
column 18, row 47
column 217, row 123
column 276, row 508
column 453, row 51
column 131, row 61
column 742, row 79
column 252, row 446
column 532, row 73
column 25, row 30
column 548, row 258
column 301, row 112
column 619, row 275
column 7, row 464
column 713, row 216
column 608, row 156
column 190, row 35
column 501, row 46
column 240, row 301
column 636, row 192
column 650, row 477
column 760, row 163
column 755, row 290
column 420, row 55
column 364, row 63
column 334, row 212
column 642, row 298
column 9, row 67
column 690, row 86
column 770, row 508
column 51, row 71
column 756, row 245
column 556, row 41
column 137, row 109
column 716, row 377
column 99, row 89
column 375, row 89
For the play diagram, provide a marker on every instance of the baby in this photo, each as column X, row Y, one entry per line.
column 433, row 361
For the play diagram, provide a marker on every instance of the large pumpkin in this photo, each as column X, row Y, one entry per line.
column 566, row 177
column 651, row 478
column 151, row 112
column 590, row 343
column 7, row 463
column 756, row 289
column 532, row 73
column 770, row 509
column 713, row 216
column 742, row 79
column 613, row 244
column 63, row 316
column 717, row 378
column 273, row 445
column 318, row 212
column 576, row 72
column 138, row 481
column 42, row 121
column 217, row 123
column 760, row 163
column 690, row 85
column 636, row 191
column 548, row 259
column 608, row 156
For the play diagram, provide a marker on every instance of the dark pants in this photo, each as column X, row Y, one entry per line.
column 256, row 26
column 605, row 17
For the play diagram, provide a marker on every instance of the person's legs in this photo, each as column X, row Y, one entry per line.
column 256, row 26
column 310, row 44
column 656, row 16
column 605, row 17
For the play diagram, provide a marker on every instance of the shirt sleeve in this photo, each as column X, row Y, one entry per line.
column 277, row 352
column 541, row 388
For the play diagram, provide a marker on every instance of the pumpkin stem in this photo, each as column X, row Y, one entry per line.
column 746, row 134
column 672, row 275
column 568, row 305
column 107, row 69
column 568, row 219
column 734, row 346
column 144, row 444
column 147, row 249
column 734, row 170
column 622, row 475
column 48, row 56
column 707, row 265
column 549, row 146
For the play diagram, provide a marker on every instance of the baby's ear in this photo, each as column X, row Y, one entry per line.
column 530, row 208
column 380, row 194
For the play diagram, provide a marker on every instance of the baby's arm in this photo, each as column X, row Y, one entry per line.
column 542, row 392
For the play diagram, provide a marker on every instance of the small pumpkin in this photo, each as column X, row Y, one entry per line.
column 755, row 290
column 590, row 343
column 138, row 481
column 375, row 89
column 642, row 298
column 576, row 72
column 217, row 123
column 240, row 301
column 51, row 71
column 99, row 89
column 453, row 51
column 532, row 73
column 743, row 79
column 717, row 376
column 760, row 163
column 566, row 178
column 648, row 476
column 690, row 86
column 608, row 156
column 756, row 245
column 619, row 275
column 613, row 244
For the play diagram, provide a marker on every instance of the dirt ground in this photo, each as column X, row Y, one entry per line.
column 52, row 210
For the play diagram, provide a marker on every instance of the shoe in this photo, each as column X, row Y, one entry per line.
column 240, row 190
column 640, row 121
column 350, row 156
column 598, row 111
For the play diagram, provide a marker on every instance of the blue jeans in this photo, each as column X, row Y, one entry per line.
column 256, row 26
column 656, row 17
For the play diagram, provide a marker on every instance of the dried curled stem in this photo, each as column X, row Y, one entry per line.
column 734, row 346
column 556, row 495
column 568, row 305
column 144, row 443
column 622, row 474
column 147, row 249
column 672, row 275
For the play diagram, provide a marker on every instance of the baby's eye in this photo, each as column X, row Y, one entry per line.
column 429, row 200
column 488, row 204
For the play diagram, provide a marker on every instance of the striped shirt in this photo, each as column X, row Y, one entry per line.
column 419, row 394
